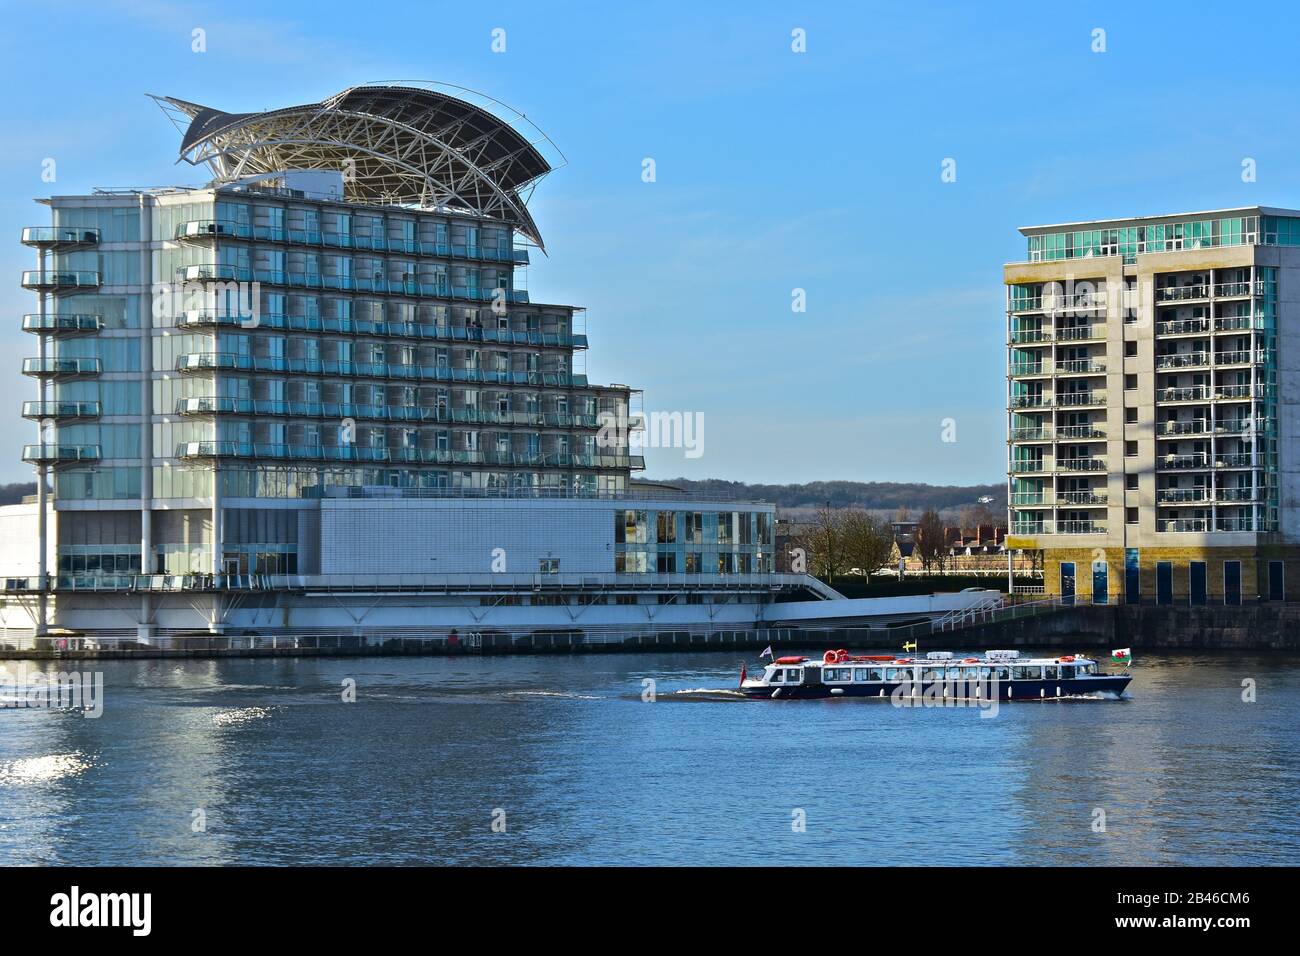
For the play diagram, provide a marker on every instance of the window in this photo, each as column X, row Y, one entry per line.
column 1130, row 349
column 778, row 677
column 1130, row 416
column 1130, row 381
column 1130, row 516
column 1130, row 482
column 793, row 675
column 1130, row 449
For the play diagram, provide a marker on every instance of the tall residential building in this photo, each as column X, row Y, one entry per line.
column 1153, row 369
column 322, row 373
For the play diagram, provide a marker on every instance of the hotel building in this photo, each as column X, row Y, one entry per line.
column 1153, row 369
column 314, row 396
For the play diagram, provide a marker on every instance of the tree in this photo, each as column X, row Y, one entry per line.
column 867, row 543
column 972, row 516
column 824, row 545
column 931, row 547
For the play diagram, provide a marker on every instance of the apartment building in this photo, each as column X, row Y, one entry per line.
column 1151, row 386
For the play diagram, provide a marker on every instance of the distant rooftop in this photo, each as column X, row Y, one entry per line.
column 1169, row 217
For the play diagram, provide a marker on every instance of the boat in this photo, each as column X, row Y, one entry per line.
column 1000, row 675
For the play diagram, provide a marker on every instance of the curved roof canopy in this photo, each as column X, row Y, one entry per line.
column 394, row 144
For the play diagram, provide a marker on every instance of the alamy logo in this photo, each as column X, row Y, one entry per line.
column 75, row 909
column 62, row 690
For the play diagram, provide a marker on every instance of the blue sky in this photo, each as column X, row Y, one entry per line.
column 774, row 171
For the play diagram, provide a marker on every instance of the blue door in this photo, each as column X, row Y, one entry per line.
column 1197, row 581
column 1067, row 582
column 1100, row 592
column 1132, row 577
column 1231, row 582
column 1164, row 582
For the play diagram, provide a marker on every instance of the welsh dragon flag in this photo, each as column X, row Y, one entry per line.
column 1121, row 655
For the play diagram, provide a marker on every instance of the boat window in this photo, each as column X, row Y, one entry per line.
column 971, row 673
column 1067, row 671
column 1001, row 673
column 898, row 673
column 835, row 673
column 861, row 673
column 1027, row 673
column 877, row 673
column 985, row 672
column 1051, row 672
column 1090, row 668
column 932, row 673
column 777, row 677
column 792, row 675
column 954, row 673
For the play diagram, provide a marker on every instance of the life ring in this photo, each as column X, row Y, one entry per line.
column 970, row 660
column 835, row 657
column 1066, row 660
column 828, row 657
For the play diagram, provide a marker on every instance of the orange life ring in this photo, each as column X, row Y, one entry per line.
column 828, row 657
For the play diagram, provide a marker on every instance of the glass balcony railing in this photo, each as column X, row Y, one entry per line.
column 59, row 279
column 1194, row 462
column 1081, row 398
column 1038, row 433
column 230, row 361
column 62, row 324
column 53, row 237
column 1182, row 293
column 226, row 405
column 1080, row 431
column 1183, row 326
column 405, row 286
column 1026, row 466
column 1195, row 426
column 200, row 229
column 1075, row 333
column 1183, row 360
column 58, row 367
column 45, row 454
column 1080, row 527
column 60, row 410
column 1081, row 464
column 1081, row 498
column 198, row 319
column 1080, row 367
column 1168, row 496
column 356, row 453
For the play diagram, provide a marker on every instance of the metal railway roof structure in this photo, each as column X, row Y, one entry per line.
column 395, row 144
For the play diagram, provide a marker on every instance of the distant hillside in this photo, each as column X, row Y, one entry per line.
column 13, row 494
column 882, row 496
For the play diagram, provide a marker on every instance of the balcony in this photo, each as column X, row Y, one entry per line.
column 1031, row 527
column 1080, row 367
column 62, row 325
column 1245, row 357
column 1183, row 360
column 1081, row 333
column 59, row 454
column 1237, row 323
column 1238, row 495
column 1196, row 426
column 408, row 285
column 208, row 229
column 1080, row 431
column 1086, row 498
column 1028, row 499
column 1081, row 398
column 1183, row 327
column 358, row 453
column 1182, row 293
column 59, row 280
column 1235, row 290
column 1024, row 369
column 60, row 411
column 1080, row 464
column 1182, row 496
column 1026, row 467
column 1190, row 393
column 1079, row 302
column 1235, row 393
column 208, row 405
column 1030, row 401
column 61, row 368
column 1241, row 426
column 1031, row 434
column 1030, row 337
column 1183, row 462
column 1240, row 460
column 217, row 361
column 1080, row 527
column 56, row 238
column 1183, row 525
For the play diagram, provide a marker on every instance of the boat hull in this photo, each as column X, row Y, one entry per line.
column 1112, row 684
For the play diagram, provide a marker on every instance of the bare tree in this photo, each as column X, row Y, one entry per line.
column 931, row 547
column 972, row 516
column 867, row 542
column 824, row 545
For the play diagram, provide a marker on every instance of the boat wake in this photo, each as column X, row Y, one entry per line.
column 704, row 693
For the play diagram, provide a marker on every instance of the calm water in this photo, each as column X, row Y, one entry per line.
column 587, row 772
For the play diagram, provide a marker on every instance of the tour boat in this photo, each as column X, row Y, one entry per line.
column 938, row 676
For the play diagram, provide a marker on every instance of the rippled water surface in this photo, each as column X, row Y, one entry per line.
column 585, row 771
